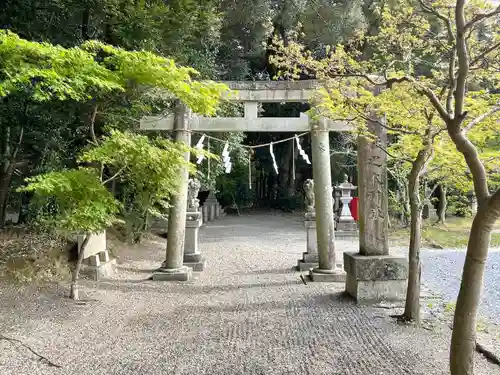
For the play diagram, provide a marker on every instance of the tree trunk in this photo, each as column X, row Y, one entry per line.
column 412, row 304
column 74, row 286
column 406, row 205
column 463, row 340
column 443, row 204
column 6, row 173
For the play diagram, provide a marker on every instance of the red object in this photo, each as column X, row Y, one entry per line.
column 353, row 206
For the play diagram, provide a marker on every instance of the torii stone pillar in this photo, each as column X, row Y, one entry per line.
column 172, row 268
column 372, row 274
column 325, row 230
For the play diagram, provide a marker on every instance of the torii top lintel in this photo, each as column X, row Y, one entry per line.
column 272, row 91
column 251, row 93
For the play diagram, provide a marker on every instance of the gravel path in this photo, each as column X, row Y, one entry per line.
column 248, row 313
column 442, row 272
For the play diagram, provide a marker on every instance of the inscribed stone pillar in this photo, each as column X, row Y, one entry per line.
column 325, row 232
column 173, row 268
column 372, row 274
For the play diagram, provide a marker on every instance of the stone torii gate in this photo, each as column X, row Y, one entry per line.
column 372, row 274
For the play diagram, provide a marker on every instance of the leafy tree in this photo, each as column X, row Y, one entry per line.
column 77, row 200
column 148, row 170
column 463, row 53
column 94, row 75
column 79, row 203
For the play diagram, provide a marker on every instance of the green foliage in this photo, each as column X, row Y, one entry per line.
column 150, row 168
column 77, row 199
column 459, row 205
column 234, row 188
column 73, row 200
column 44, row 72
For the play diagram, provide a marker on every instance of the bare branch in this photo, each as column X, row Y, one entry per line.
column 392, row 155
column 114, row 176
column 480, row 118
column 41, row 358
column 92, row 123
column 480, row 17
column 483, row 54
column 430, row 9
column 463, row 61
column 435, row 102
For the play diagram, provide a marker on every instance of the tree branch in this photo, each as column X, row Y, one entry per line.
column 430, row 9
column 480, row 118
column 391, row 155
column 435, row 102
column 114, row 176
column 92, row 124
column 463, row 62
column 41, row 358
column 483, row 54
column 480, row 17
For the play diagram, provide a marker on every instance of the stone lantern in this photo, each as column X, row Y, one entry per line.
column 192, row 255
column 346, row 222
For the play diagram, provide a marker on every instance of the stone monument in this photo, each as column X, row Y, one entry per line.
column 192, row 256
column 373, row 275
column 310, row 257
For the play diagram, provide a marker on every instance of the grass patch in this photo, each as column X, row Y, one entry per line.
column 454, row 233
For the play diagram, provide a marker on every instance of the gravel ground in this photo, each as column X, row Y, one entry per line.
column 442, row 272
column 247, row 313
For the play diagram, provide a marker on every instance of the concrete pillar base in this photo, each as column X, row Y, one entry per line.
column 375, row 278
column 337, row 275
column 303, row 266
column 198, row 266
column 307, row 262
column 347, row 234
column 347, row 225
column 177, row 274
column 195, row 261
column 100, row 270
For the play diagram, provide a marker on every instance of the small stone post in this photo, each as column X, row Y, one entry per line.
column 372, row 274
column 336, row 205
column 192, row 256
column 346, row 224
column 428, row 210
column 325, row 232
column 173, row 268
column 204, row 211
column 211, row 203
column 310, row 257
